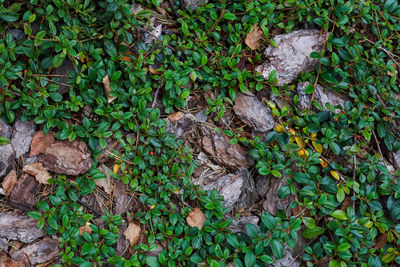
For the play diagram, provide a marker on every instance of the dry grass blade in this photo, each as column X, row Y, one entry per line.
column 253, row 37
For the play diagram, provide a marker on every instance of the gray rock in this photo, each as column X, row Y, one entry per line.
column 7, row 157
column 253, row 112
column 239, row 224
column 229, row 186
column 3, row 245
column 292, row 55
column 287, row 260
column 16, row 34
column 193, row 4
column 39, row 252
column 201, row 116
column 22, row 137
column 5, row 129
column 321, row 95
column 17, row 227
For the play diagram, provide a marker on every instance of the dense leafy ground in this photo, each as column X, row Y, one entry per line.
column 347, row 198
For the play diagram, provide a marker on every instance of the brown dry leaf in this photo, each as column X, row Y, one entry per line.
column 132, row 233
column 9, row 182
column 36, row 169
column 253, row 37
column 86, row 228
column 196, row 218
column 381, row 241
column 105, row 183
column 107, row 87
column 175, row 116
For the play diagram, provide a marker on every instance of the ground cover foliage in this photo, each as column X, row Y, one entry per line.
column 334, row 162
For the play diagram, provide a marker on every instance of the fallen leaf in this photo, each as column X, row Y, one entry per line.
column 116, row 168
column 335, row 175
column 175, row 116
column 36, row 169
column 303, row 153
column 300, row 142
column 9, row 182
column 279, row 128
column 107, row 87
column 253, row 37
column 196, row 218
column 132, row 233
column 324, row 164
column 105, row 183
column 86, row 228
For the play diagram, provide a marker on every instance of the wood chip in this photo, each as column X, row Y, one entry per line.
column 107, row 87
column 196, row 218
column 23, row 196
column 36, row 169
column 9, row 182
column 132, row 233
column 253, row 37
column 175, row 116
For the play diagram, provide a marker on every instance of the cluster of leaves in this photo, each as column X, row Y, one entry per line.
column 205, row 50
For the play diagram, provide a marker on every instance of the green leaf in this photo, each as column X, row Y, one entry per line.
column 4, row 140
column 276, row 173
column 250, row 259
column 185, row 28
column 283, row 192
column 335, row 148
column 339, row 214
column 266, row 259
column 230, row 16
column 340, row 195
column 58, row 60
column 380, row 128
column 277, row 248
column 9, row 16
column 251, row 230
column 309, row 222
column 309, row 89
column 311, row 233
column 268, row 220
column 34, row 214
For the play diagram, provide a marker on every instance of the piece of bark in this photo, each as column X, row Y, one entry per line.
column 272, row 202
column 19, row 227
column 40, row 252
column 122, row 198
column 218, row 146
column 72, row 158
column 24, row 193
column 22, row 137
column 9, row 182
column 36, row 169
column 7, row 157
column 40, row 142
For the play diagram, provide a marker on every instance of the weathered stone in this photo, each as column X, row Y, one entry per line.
column 9, row 182
column 40, row 252
column 239, row 224
column 5, row 129
column 253, row 112
column 18, row 227
column 22, row 137
column 24, row 193
column 7, row 157
column 72, row 158
column 3, row 244
column 272, row 202
column 320, row 95
column 17, row 34
column 193, row 4
column 229, row 186
column 40, row 142
column 291, row 56
column 201, row 116
column 218, row 146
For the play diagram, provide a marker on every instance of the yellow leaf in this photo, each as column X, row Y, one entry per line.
column 323, row 163
column 313, row 136
column 293, row 132
column 335, row 175
column 291, row 139
column 317, row 147
column 300, row 142
column 303, row 153
column 116, row 168
column 369, row 224
column 279, row 128
column 152, row 207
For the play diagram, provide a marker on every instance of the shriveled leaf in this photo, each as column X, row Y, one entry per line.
column 196, row 218
column 253, row 37
column 132, row 233
column 107, row 87
column 176, row 116
column 86, row 228
column 36, row 169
